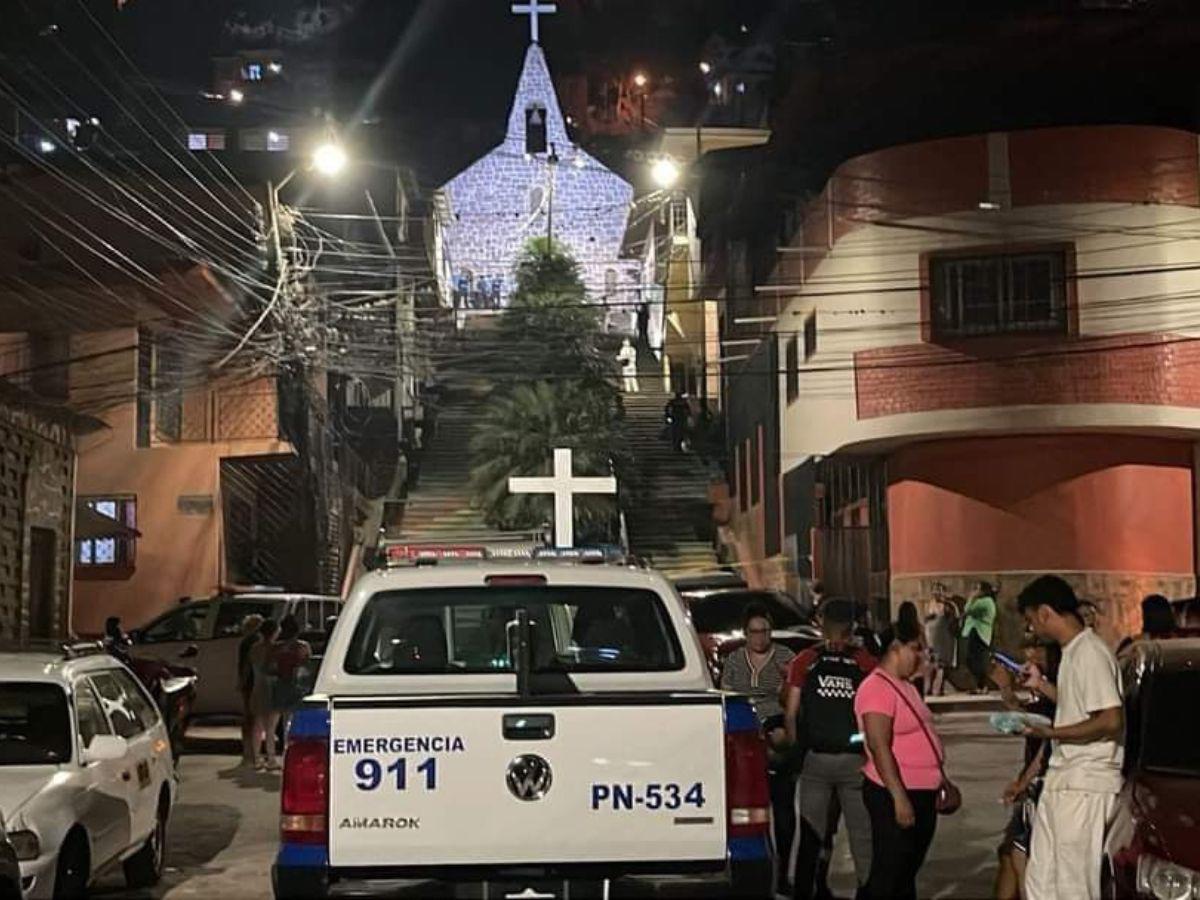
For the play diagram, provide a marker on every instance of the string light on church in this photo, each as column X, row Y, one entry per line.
column 537, row 183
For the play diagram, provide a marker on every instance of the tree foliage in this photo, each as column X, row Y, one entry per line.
column 556, row 388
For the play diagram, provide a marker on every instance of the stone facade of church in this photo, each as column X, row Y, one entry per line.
column 511, row 196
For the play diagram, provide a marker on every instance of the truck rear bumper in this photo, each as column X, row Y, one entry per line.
column 750, row 878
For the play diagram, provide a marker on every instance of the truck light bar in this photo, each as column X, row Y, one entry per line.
column 424, row 554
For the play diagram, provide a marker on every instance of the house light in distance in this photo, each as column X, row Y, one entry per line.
column 705, row 67
column 988, row 205
column 640, row 79
column 236, row 96
column 46, row 145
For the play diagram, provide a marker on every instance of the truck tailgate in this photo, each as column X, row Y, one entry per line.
column 489, row 781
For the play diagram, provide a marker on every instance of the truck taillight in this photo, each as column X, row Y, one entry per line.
column 304, row 800
column 747, row 793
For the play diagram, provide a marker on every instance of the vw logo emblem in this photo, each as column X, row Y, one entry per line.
column 529, row 777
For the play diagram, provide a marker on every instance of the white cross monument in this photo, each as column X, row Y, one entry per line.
column 533, row 9
column 564, row 486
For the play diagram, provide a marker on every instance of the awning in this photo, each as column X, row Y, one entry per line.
column 93, row 526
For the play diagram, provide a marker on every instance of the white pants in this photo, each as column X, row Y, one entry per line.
column 631, row 383
column 1067, row 849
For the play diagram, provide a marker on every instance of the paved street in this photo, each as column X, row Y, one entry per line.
column 223, row 832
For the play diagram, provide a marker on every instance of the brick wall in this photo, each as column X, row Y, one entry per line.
column 1143, row 369
column 36, row 491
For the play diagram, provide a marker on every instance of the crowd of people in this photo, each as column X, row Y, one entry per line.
column 851, row 739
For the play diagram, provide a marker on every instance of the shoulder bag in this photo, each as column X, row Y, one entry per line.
column 949, row 797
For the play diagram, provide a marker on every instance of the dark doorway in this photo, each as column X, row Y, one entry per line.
column 43, row 543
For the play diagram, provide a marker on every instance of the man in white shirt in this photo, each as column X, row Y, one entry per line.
column 1084, row 774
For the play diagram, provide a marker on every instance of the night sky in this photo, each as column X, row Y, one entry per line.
column 436, row 75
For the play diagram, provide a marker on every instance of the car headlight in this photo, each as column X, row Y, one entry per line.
column 26, row 844
column 1165, row 880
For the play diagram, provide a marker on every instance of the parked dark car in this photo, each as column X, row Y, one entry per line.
column 717, row 615
column 717, row 579
column 1153, row 845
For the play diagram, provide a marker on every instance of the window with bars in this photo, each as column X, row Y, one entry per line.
column 159, row 392
column 679, row 216
column 109, row 552
column 1017, row 293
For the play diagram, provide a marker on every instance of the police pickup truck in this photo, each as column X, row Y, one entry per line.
column 520, row 729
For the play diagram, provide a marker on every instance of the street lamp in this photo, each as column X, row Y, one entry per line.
column 329, row 159
column 665, row 173
column 640, row 81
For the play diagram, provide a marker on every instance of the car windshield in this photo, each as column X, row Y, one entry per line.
column 722, row 613
column 1172, row 741
column 472, row 630
column 34, row 725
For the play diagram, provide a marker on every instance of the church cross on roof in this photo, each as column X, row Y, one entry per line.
column 533, row 9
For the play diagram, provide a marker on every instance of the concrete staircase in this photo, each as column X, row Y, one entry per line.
column 668, row 516
column 439, row 510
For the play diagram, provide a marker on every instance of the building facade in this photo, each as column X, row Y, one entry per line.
column 987, row 367
column 537, row 183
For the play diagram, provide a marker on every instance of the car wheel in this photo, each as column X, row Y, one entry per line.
column 145, row 868
column 73, row 872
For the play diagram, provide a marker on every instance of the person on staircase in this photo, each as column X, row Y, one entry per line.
column 627, row 357
column 678, row 414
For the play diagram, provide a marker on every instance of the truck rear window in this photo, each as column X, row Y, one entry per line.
column 467, row 630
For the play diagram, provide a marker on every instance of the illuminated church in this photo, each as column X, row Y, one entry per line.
column 538, row 183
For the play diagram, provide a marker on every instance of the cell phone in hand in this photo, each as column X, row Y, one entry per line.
column 1006, row 661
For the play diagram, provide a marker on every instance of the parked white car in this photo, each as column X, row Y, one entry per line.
column 204, row 635
column 86, row 776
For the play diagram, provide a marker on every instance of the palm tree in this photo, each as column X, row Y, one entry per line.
column 517, row 437
column 556, row 387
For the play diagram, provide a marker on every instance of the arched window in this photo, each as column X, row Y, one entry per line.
column 536, row 196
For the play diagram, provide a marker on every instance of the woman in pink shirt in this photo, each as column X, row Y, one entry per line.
column 903, row 770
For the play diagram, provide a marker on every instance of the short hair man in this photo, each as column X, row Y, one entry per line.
column 1084, row 774
column 820, row 718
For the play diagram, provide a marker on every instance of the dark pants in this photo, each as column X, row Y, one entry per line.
column 783, row 815
column 979, row 657
column 897, row 853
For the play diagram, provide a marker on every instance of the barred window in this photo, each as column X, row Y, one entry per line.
column 1000, row 294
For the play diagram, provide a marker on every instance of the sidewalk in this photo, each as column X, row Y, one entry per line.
column 963, row 702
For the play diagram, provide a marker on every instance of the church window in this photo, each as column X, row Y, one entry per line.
column 536, row 196
column 535, row 128
column 610, row 281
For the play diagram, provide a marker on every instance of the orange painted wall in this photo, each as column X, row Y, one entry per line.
column 177, row 554
column 1078, row 503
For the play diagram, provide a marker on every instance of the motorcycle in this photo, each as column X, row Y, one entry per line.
column 172, row 687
